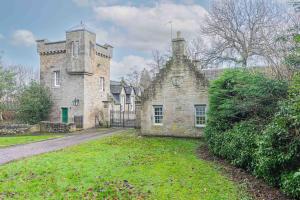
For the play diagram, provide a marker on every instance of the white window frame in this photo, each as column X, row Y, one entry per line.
column 57, row 78
column 102, row 84
column 200, row 114
column 161, row 115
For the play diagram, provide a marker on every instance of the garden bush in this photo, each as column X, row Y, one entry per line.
column 34, row 104
column 278, row 150
column 240, row 104
column 239, row 144
column 254, row 122
column 290, row 184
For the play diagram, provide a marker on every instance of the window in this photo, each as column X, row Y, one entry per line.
column 132, row 103
column 92, row 46
column 158, row 114
column 200, row 115
column 102, row 84
column 122, row 103
column 75, row 48
column 56, row 78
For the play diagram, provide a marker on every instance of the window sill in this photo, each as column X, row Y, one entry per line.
column 56, row 86
column 200, row 126
column 158, row 124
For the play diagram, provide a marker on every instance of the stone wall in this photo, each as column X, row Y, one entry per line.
column 17, row 129
column 53, row 127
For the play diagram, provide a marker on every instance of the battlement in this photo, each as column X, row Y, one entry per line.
column 105, row 51
column 44, row 47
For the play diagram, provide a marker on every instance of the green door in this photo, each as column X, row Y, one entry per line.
column 64, row 115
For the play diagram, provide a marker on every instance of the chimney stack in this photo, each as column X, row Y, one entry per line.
column 178, row 46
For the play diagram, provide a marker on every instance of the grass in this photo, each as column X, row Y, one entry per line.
column 124, row 166
column 6, row 141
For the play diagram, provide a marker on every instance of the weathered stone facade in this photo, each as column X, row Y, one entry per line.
column 72, row 69
column 178, row 90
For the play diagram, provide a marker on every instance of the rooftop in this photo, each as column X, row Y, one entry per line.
column 80, row 27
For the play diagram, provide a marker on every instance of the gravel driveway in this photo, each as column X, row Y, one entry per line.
column 21, row 151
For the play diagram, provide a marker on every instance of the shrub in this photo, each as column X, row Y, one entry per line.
column 239, row 144
column 290, row 184
column 239, row 95
column 34, row 104
column 279, row 147
column 240, row 104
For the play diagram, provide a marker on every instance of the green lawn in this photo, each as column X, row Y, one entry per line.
column 13, row 140
column 124, row 166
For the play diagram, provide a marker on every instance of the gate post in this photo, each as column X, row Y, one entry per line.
column 123, row 119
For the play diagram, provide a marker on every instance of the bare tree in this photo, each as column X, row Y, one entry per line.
column 159, row 61
column 145, row 79
column 240, row 31
column 133, row 78
column 24, row 75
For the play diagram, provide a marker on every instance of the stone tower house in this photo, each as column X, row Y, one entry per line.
column 175, row 104
column 77, row 72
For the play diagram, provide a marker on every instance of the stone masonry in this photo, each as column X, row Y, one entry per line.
column 178, row 89
column 76, row 64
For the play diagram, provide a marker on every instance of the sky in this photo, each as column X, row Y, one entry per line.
column 134, row 28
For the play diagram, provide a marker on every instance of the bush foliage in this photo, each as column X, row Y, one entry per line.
column 34, row 104
column 254, row 122
column 241, row 103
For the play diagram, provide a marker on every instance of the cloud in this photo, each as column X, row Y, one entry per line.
column 147, row 28
column 23, row 37
column 1, row 36
column 127, row 65
column 82, row 3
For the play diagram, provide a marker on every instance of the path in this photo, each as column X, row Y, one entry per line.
column 21, row 151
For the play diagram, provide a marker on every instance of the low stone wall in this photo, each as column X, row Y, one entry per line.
column 56, row 127
column 14, row 129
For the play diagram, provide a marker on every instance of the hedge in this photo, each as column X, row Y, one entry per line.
column 254, row 122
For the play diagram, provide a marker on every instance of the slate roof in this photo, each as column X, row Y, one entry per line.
column 116, row 88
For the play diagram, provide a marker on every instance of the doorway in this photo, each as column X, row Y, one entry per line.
column 65, row 115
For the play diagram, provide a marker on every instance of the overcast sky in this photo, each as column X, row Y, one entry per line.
column 134, row 28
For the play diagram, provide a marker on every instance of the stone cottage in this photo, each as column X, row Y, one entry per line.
column 124, row 97
column 77, row 72
column 176, row 102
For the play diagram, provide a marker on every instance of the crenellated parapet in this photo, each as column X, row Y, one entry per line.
column 104, row 51
column 44, row 47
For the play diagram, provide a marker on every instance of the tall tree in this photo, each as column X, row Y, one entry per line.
column 7, row 84
column 158, row 61
column 145, row 79
column 239, row 31
column 133, row 78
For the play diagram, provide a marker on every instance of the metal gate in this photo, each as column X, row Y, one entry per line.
column 123, row 119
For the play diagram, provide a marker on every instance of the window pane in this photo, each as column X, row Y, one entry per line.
column 101, row 80
column 200, row 114
column 158, row 114
column 57, row 78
